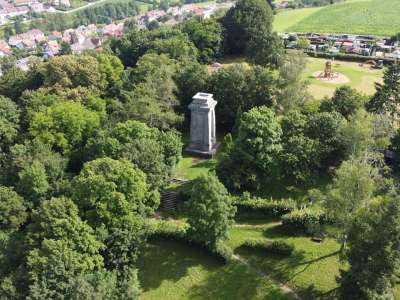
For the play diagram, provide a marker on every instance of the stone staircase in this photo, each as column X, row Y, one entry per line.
column 169, row 198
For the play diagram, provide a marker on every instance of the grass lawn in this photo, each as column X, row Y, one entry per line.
column 190, row 167
column 311, row 270
column 169, row 270
column 361, row 78
column 377, row 17
column 172, row 270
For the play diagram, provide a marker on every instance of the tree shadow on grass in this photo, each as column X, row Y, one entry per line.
column 169, row 260
column 236, row 281
column 204, row 164
column 286, row 268
column 279, row 231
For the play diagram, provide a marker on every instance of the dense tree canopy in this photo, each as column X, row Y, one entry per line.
column 88, row 142
column 206, row 35
column 107, row 191
column 241, row 87
column 64, row 125
column 12, row 209
column 9, row 122
column 71, row 71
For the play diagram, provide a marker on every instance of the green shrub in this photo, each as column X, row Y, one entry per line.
column 165, row 229
column 222, row 252
column 348, row 57
column 304, row 220
column 264, row 207
column 275, row 247
column 175, row 231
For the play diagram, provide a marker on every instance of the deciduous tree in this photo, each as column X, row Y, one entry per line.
column 210, row 211
column 374, row 252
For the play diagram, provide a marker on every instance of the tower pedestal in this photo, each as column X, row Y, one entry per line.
column 203, row 140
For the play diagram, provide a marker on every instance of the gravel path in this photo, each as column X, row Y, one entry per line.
column 284, row 287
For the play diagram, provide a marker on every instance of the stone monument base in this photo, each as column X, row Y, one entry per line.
column 202, row 154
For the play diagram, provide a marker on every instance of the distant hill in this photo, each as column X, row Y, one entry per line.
column 377, row 17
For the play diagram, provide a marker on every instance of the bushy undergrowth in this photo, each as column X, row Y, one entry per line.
column 305, row 220
column 263, row 207
column 274, row 247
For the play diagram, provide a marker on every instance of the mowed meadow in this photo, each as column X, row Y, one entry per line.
column 376, row 17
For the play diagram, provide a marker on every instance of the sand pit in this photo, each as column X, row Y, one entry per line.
column 337, row 78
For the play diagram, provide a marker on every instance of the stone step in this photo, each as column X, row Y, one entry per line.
column 169, row 198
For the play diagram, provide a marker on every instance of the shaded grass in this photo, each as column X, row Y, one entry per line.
column 169, row 270
column 311, row 270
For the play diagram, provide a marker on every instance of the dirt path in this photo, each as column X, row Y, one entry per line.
column 284, row 287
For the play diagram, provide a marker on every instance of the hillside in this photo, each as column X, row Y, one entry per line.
column 377, row 17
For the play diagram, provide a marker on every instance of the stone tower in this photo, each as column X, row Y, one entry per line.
column 203, row 140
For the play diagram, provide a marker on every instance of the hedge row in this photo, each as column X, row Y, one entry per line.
column 265, row 207
column 164, row 229
column 175, row 231
column 348, row 57
column 275, row 247
column 304, row 220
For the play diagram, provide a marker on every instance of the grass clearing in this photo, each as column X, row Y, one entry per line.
column 170, row 270
column 361, row 78
column 311, row 270
column 377, row 17
column 191, row 168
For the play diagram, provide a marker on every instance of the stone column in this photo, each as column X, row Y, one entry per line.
column 203, row 140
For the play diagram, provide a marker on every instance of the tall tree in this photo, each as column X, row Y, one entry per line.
column 248, row 30
column 292, row 91
column 326, row 129
column 387, row 96
column 352, row 189
column 13, row 210
column 9, row 122
column 374, row 252
column 299, row 158
column 255, row 149
column 70, row 71
column 210, row 211
column 152, row 98
column 33, row 183
column 345, row 101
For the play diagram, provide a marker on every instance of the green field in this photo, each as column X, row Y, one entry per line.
column 289, row 18
column 377, row 17
column 361, row 78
